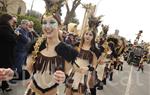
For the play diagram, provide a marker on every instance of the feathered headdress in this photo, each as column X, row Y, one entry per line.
column 105, row 29
column 113, row 40
column 103, row 33
column 94, row 22
column 112, row 43
column 53, row 6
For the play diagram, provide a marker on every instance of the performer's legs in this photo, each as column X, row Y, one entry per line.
column 118, row 67
column 122, row 66
column 5, row 86
column 100, row 85
column 115, row 64
column 104, row 81
column 139, row 67
column 93, row 91
column 111, row 73
column 111, row 76
column 142, row 68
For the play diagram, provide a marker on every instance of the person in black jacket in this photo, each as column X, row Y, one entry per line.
column 7, row 46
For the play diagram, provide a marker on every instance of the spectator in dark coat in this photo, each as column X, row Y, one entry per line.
column 22, row 45
column 7, row 45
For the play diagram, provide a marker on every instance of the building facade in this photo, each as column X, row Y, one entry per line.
column 14, row 6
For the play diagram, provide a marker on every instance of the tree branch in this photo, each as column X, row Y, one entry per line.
column 67, row 6
column 71, row 12
column 2, row 2
column 74, row 2
column 75, row 5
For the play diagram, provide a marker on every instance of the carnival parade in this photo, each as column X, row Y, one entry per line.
column 45, row 54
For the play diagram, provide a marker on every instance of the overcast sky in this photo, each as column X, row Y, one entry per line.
column 129, row 16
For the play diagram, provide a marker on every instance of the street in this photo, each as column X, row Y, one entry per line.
column 126, row 82
column 129, row 82
column 88, row 46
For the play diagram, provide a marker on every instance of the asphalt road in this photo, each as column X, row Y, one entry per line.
column 126, row 82
column 129, row 82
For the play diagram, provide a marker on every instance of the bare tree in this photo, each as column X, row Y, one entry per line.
column 5, row 4
column 71, row 12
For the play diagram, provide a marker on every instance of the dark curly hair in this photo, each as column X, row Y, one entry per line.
column 4, row 19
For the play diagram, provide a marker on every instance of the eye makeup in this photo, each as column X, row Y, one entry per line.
column 51, row 23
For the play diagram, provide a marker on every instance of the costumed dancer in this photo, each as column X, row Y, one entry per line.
column 112, row 55
column 102, row 68
column 142, row 61
column 120, row 50
column 49, row 62
column 103, row 35
column 84, row 75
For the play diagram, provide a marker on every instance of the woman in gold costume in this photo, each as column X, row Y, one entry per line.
column 50, row 60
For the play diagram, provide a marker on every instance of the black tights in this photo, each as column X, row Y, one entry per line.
column 93, row 91
column 4, row 85
column 141, row 67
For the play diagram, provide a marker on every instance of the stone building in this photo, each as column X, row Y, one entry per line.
column 14, row 6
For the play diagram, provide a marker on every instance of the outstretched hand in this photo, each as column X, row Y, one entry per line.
column 6, row 74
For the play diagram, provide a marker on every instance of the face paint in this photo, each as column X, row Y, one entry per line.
column 51, row 24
